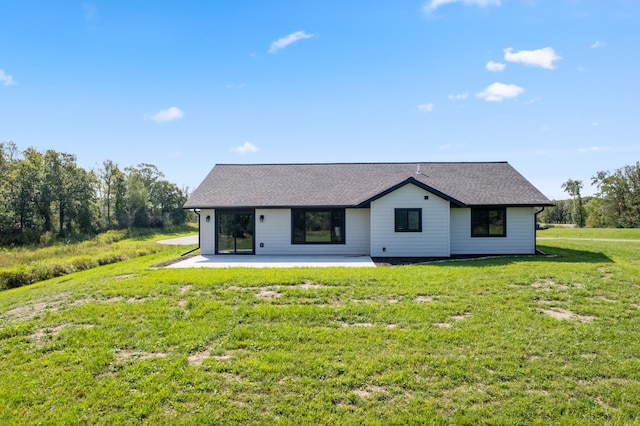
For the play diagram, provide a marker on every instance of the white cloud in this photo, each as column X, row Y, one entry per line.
column 495, row 66
column 90, row 11
column 594, row 149
column 245, row 148
column 168, row 114
column 533, row 101
column 497, row 92
column 283, row 42
column 543, row 58
column 432, row 5
column 6, row 79
column 459, row 97
column 598, row 44
column 426, row 107
column 580, row 68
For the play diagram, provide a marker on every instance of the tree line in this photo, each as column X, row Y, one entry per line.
column 615, row 205
column 45, row 195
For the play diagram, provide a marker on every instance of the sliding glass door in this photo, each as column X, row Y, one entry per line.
column 234, row 232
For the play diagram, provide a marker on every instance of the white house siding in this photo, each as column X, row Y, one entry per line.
column 275, row 234
column 207, row 231
column 520, row 237
column 432, row 241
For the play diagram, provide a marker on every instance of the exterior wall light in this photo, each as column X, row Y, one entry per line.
column 261, row 218
column 208, row 219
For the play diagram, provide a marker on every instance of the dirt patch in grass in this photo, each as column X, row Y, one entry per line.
column 200, row 357
column 225, row 357
column 605, row 274
column 231, row 377
column 185, row 288
column 549, row 284
column 566, row 315
column 124, row 276
column 452, row 319
column 369, row 390
column 265, row 294
column 423, row 299
column 311, row 286
column 37, row 307
column 38, row 337
column 126, row 355
column 443, row 324
column 356, row 324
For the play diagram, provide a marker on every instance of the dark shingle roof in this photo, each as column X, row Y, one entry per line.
column 356, row 184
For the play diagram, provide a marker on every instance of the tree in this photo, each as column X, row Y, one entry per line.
column 133, row 205
column 73, row 190
column 48, row 192
column 110, row 177
column 573, row 187
column 620, row 194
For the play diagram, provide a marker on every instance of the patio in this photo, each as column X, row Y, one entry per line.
column 248, row 261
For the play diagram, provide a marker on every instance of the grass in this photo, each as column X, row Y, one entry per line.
column 26, row 265
column 607, row 233
column 521, row 340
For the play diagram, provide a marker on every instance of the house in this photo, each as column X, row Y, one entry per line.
column 377, row 209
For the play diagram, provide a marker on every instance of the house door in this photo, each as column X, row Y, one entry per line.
column 234, row 232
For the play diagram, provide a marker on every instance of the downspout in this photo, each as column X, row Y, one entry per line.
column 535, row 231
column 197, row 248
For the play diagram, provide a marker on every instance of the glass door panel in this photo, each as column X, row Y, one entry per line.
column 226, row 243
column 235, row 232
column 244, row 233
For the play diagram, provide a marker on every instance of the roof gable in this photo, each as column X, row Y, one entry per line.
column 413, row 181
column 357, row 184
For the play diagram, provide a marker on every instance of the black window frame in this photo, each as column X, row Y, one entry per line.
column 483, row 214
column 338, row 219
column 406, row 211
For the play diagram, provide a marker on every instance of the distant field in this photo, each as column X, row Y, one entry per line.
column 606, row 233
column 519, row 340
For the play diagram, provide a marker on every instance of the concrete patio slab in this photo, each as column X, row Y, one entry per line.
column 249, row 261
column 181, row 241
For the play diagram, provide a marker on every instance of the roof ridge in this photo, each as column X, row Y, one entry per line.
column 362, row 163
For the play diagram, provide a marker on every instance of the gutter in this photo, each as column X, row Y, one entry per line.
column 197, row 248
column 535, row 230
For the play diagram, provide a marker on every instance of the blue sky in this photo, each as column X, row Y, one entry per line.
column 549, row 85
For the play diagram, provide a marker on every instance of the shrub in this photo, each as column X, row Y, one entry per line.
column 14, row 278
column 83, row 263
column 111, row 257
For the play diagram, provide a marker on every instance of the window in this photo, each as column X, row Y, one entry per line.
column 317, row 226
column 489, row 222
column 408, row 220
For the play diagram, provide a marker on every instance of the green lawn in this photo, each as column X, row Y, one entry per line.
column 608, row 233
column 521, row 340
